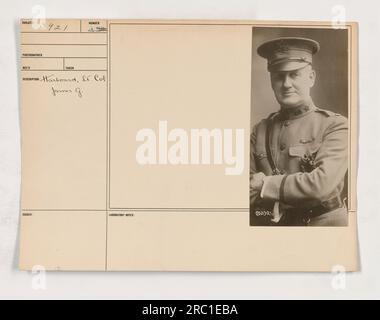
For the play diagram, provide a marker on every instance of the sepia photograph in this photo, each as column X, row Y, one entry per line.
column 299, row 127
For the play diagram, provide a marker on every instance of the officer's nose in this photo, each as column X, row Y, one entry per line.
column 287, row 83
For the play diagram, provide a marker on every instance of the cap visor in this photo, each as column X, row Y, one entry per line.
column 287, row 66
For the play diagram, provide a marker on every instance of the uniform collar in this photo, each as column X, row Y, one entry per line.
column 298, row 112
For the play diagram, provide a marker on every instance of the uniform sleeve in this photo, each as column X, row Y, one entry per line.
column 331, row 166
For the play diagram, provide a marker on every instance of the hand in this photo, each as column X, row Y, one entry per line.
column 257, row 181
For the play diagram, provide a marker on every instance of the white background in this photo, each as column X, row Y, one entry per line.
column 363, row 284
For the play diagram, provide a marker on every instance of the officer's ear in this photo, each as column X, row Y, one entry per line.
column 312, row 77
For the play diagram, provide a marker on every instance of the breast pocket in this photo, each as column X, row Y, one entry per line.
column 302, row 157
column 305, row 147
column 298, row 151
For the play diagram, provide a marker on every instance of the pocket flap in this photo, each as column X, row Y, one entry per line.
column 297, row 151
column 301, row 150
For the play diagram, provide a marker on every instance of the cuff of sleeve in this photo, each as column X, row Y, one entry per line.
column 277, row 215
column 271, row 188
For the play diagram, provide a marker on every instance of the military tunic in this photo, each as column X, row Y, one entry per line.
column 306, row 132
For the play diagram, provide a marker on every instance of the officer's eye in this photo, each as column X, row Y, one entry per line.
column 277, row 76
column 294, row 74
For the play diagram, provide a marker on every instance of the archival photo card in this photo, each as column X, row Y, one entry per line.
column 164, row 145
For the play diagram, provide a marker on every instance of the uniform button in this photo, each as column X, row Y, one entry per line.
column 287, row 123
column 282, row 147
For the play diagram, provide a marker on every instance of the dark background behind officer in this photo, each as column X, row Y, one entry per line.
column 331, row 87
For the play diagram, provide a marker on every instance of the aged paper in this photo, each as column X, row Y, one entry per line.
column 99, row 195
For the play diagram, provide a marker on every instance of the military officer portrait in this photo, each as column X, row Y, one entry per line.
column 299, row 152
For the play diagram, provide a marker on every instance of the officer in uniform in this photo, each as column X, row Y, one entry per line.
column 298, row 154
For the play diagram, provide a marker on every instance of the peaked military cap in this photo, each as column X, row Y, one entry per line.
column 288, row 54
